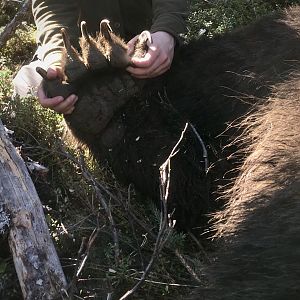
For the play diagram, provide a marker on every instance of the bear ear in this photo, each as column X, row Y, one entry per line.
column 72, row 63
column 93, row 52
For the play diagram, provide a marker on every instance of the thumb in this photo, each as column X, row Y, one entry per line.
column 54, row 72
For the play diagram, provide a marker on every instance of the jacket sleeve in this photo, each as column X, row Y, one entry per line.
column 169, row 16
column 50, row 16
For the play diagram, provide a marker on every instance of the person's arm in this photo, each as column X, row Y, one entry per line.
column 169, row 16
column 168, row 23
column 50, row 16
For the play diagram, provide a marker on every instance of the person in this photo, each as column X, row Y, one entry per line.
column 165, row 19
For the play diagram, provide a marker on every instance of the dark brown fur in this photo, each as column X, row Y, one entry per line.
column 260, row 226
column 211, row 84
column 259, row 229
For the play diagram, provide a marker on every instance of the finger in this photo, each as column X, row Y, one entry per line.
column 51, row 73
column 54, row 72
column 67, row 106
column 58, row 104
column 48, row 102
column 160, row 70
column 69, row 111
column 51, row 102
column 161, row 64
column 147, row 73
column 144, row 68
column 40, row 92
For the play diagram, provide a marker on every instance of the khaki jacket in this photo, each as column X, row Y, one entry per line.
column 128, row 18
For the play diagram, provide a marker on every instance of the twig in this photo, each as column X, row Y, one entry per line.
column 200, row 246
column 109, row 296
column 83, row 254
column 106, row 207
column 166, row 225
column 112, row 222
column 11, row 27
column 170, row 284
column 187, row 266
column 88, row 248
column 98, row 190
column 132, row 227
column 74, row 279
column 160, row 238
column 204, row 150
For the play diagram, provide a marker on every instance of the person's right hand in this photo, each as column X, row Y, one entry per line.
column 58, row 103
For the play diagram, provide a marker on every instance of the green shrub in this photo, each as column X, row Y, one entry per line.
column 8, row 10
column 19, row 49
column 215, row 17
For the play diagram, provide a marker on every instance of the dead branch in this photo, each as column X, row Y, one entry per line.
column 83, row 253
column 11, row 27
column 187, row 266
column 106, row 206
column 35, row 258
column 166, row 225
column 132, row 227
column 98, row 190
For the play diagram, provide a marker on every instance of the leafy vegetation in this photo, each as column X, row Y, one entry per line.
column 70, row 183
column 214, row 17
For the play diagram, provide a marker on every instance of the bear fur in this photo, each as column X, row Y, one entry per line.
column 212, row 83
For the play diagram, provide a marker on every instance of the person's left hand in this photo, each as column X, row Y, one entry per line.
column 157, row 60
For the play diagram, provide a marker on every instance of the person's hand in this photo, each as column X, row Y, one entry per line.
column 158, row 58
column 58, row 103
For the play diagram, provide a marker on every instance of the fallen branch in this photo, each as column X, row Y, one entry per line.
column 35, row 258
column 11, row 27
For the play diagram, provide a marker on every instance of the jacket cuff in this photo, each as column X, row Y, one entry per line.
column 171, row 24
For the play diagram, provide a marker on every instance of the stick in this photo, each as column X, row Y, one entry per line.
column 11, row 27
column 166, row 226
column 37, row 265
